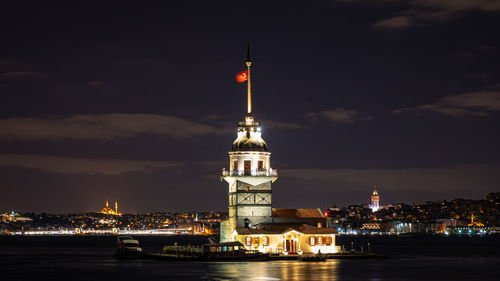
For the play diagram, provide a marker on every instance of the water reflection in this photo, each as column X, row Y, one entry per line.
column 276, row 270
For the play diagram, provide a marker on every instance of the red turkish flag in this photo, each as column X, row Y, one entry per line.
column 242, row 76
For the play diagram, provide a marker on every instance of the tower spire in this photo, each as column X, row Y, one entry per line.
column 248, row 51
column 249, row 63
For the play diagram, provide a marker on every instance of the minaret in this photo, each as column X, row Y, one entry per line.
column 249, row 175
column 116, row 207
column 375, row 200
column 107, row 204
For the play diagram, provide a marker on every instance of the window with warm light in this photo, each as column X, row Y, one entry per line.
column 260, row 165
column 312, row 241
column 265, row 241
column 320, row 240
column 247, row 166
column 248, row 240
column 328, row 240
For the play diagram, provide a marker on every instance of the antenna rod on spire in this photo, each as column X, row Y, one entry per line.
column 249, row 63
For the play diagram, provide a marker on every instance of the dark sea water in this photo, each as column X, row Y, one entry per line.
column 91, row 258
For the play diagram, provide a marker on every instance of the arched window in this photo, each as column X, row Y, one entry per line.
column 328, row 240
column 312, row 241
column 265, row 241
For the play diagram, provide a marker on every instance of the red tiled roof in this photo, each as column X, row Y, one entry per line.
column 309, row 229
column 279, row 228
column 298, row 213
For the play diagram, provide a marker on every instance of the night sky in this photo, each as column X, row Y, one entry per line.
column 138, row 102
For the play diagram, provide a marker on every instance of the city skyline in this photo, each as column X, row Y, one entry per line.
column 143, row 111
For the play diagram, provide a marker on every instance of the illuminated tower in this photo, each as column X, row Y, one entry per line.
column 249, row 175
column 116, row 207
column 375, row 200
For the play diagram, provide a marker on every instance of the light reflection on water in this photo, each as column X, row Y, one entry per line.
column 277, row 270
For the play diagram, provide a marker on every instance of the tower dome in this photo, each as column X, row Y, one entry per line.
column 249, row 137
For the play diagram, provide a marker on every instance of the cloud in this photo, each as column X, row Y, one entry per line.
column 464, row 177
column 96, row 83
column 66, row 165
column 480, row 103
column 484, row 99
column 422, row 12
column 485, row 48
column 394, row 23
column 275, row 124
column 99, row 127
column 21, row 74
column 341, row 115
column 225, row 126
column 115, row 125
column 459, row 5
column 225, row 121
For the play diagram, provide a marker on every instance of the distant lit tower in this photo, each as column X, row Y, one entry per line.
column 249, row 175
column 375, row 200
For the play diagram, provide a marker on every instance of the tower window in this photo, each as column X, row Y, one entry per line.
column 247, row 222
column 247, row 166
column 235, row 165
column 260, row 165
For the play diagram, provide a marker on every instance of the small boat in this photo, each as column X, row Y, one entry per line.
column 128, row 248
column 309, row 258
column 213, row 252
column 231, row 251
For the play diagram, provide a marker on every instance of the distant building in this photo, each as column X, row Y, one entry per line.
column 108, row 211
column 14, row 217
column 473, row 228
column 252, row 220
column 375, row 205
column 376, row 227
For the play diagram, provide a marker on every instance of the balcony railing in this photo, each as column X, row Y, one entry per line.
column 251, row 173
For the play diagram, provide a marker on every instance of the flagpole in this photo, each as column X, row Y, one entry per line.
column 249, row 63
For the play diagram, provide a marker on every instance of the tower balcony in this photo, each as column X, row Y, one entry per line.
column 251, row 173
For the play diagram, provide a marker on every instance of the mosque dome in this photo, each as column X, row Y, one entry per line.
column 107, row 210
